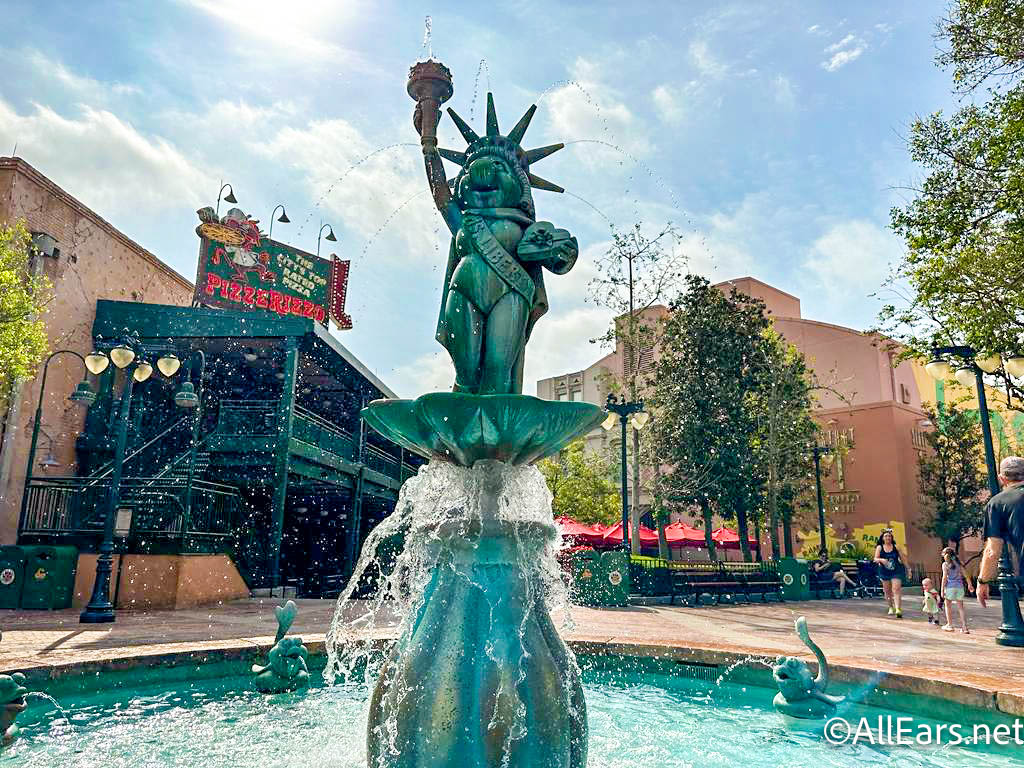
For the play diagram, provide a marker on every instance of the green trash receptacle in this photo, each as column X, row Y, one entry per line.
column 795, row 577
column 585, row 587
column 615, row 578
column 12, row 576
column 49, row 577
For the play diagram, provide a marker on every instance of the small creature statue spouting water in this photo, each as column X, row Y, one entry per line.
column 12, row 702
column 800, row 694
column 286, row 663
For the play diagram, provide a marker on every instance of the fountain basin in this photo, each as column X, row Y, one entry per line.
column 642, row 712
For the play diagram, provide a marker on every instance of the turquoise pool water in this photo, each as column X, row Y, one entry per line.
column 640, row 718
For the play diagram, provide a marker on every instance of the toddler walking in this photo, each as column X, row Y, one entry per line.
column 931, row 602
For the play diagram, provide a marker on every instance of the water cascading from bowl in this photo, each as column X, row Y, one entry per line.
column 478, row 675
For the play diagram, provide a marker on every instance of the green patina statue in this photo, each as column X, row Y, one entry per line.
column 493, row 291
column 492, row 297
column 286, row 662
column 800, row 694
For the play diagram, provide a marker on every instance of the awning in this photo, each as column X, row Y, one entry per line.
column 683, row 535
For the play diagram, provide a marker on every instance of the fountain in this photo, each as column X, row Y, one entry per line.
column 479, row 675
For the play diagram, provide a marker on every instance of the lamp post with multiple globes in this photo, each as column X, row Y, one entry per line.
column 129, row 355
column 623, row 411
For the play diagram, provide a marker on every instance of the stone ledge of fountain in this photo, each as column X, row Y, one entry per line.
column 182, row 661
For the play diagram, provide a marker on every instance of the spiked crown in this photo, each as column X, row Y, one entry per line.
column 507, row 147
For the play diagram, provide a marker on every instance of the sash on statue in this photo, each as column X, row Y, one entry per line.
column 499, row 259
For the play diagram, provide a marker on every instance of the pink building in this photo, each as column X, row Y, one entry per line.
column 870, row 415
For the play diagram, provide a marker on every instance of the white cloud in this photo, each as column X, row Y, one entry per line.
column 843, row 52
column 561, row 343
column 104, row 160
column 586, row 107
column 432, row 372
column 668, row 102
column 847, row 264
column 355, row 182
column 292, row 29
column 707, row 65
column 87, row 88
column 785, row 91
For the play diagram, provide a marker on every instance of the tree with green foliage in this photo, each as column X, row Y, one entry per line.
column 950, row 475
column 638, row 271
column 580, row 482
column 23, row 297
column 781, row 402
column 964, row 228
column 700, row 389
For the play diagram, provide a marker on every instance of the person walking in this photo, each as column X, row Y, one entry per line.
column 891, row 571
column 1004, row 525
column 954, row 579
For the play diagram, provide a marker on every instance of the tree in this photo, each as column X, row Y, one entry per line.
column 781, row 402
column 580, row 482
column 637, row 272
column 964, row 231
column 702, row 425
column 23, row 297
column 950, row 475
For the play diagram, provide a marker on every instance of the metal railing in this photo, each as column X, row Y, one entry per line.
column 74, row 508
column 147, row 454
column 253, row 418
column 315, row 430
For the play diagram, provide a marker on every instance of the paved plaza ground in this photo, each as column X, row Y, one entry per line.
column 854, row 634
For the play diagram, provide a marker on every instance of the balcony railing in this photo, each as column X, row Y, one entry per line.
column 161, row 520
column 312, row 429
column 247, row 418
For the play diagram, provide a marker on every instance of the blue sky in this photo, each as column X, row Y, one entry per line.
column 770, row 133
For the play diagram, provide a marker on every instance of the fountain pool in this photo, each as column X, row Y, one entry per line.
column 651, row 713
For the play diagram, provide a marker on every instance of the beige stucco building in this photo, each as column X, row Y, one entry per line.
column 871, row 407
column 87, row 259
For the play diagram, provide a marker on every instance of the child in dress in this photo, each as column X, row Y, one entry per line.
column 955, row 584
column 931, row 602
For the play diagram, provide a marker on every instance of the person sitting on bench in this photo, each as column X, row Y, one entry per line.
column 823, row 566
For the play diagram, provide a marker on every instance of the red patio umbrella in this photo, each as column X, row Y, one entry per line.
column 682, row 535
column 648, row 538
column 579, row 531
column 728, row 539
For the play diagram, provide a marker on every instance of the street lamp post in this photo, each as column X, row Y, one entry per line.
column 94, row 363
column 622, row 410
column 818, row 451
column 128, row 356
column 330, row 236
column 1011, row 631
column 187, row 397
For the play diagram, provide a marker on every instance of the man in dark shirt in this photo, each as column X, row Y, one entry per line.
column 1004, row 524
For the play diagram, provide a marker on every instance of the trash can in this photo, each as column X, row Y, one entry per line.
column 615, row 575
column 585, row 587
column 12, row 576
column 49, row 577
column 796, row 583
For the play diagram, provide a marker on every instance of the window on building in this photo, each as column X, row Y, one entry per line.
column 563, row 396
column 576, row 395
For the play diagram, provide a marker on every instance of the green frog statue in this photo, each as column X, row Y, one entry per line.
column 286, row 662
